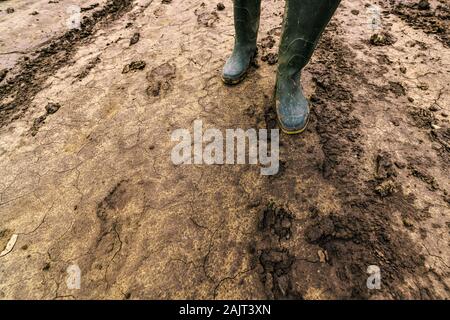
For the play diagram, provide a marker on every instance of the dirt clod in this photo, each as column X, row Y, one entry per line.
column 135, row 38
column 134, row 66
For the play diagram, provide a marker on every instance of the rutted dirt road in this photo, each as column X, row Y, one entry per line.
column 86, row 176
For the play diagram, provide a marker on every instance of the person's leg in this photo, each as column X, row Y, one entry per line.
column 304, row 22
column 246, row 23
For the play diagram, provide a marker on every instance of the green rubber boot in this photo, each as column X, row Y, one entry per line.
column 304, row 22
column 246, row 23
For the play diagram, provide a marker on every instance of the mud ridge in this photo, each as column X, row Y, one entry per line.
column 362, row 234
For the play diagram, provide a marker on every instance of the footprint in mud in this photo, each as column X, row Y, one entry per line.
column 275, row 262
column 160, row 78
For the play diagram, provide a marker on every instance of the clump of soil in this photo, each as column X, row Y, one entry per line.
column 268, row 42
column 422, row 118
column 382, row 39
column 134, row 66
column 385, row 174
column 135, row 38
column 386, row 188
column 270, row 58
column 275, row 261
column 425, row 177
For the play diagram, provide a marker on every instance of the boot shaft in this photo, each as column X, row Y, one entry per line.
column 304, row 23
column 246, row 21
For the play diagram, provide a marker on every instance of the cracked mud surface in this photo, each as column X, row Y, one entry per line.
column 86, row 176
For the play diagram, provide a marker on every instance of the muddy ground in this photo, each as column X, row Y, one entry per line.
column 86, row 177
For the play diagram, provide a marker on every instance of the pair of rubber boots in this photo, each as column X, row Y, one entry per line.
column 304, row 22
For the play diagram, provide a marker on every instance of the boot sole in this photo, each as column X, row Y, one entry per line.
column 236, row 81
column 286, row 131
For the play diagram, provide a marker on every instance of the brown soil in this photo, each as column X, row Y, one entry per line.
column 87, row 178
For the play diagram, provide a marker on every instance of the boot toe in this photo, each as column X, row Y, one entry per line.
column 293, row 118
column 237, row 66
column 233, row 72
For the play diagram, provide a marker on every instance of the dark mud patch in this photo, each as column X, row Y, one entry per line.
column 267, row 43
column 277, row 221
column 18, row 93
column 50, row 109
column 423, row 16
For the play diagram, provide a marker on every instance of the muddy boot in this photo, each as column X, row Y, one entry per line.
column 304, row 22
column 246, row 23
